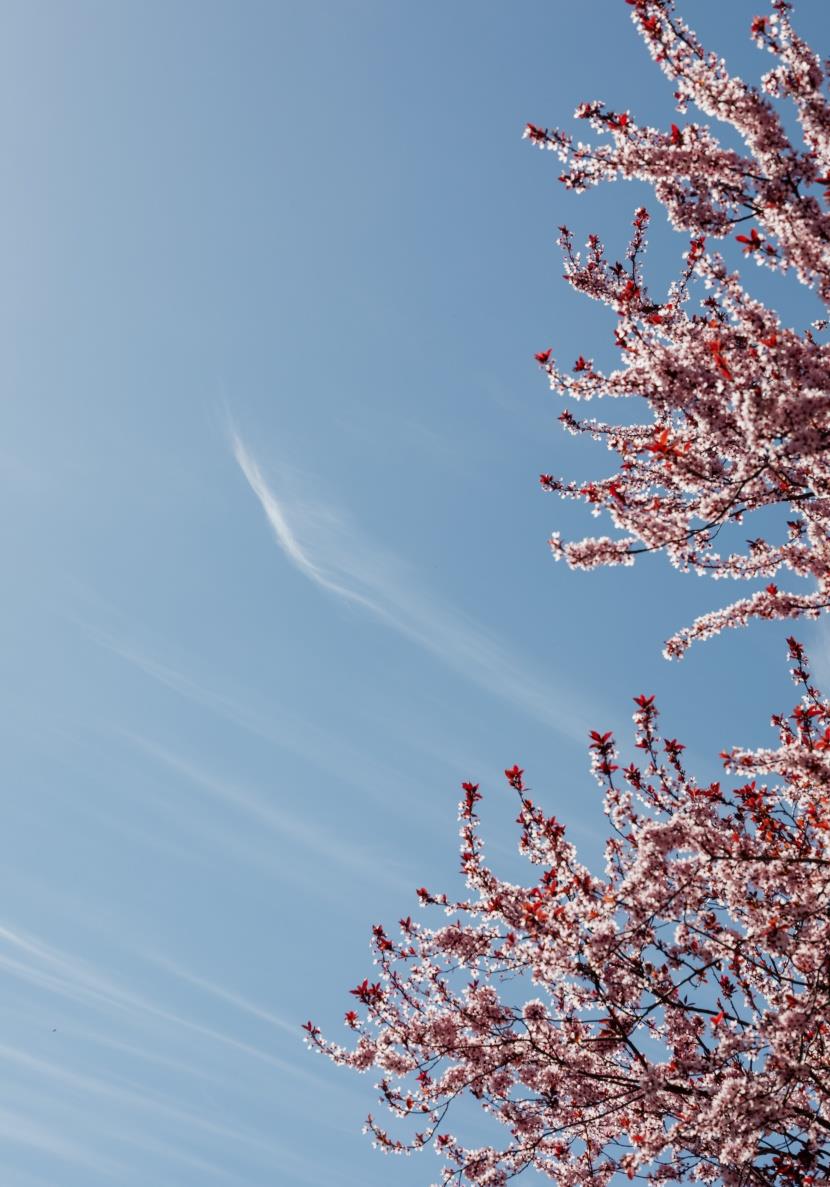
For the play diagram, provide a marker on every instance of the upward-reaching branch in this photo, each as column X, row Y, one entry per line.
column 679, row 1024
column 740, row 402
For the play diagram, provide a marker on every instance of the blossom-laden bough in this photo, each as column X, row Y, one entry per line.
column 680, row 1023
column 740, row 402
column 668, row 1021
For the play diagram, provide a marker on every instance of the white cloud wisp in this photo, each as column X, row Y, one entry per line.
column 336, row 557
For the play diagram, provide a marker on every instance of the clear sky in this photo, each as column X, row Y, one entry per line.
column 276, row 570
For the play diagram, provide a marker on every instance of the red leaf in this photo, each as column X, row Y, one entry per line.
column 514, row 777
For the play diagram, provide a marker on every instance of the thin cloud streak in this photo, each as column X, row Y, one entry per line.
column 140, row 1052
column 328, row 752
column 277, row 819
column 360, row 574
column 81, row 1082
column 20, row 1129
column 226, row 995
column 77, row 981
column 285, row 537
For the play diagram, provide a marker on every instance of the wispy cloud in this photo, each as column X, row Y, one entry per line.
column 290, row 827
column 57, row 1088
column 82, row 1083
column 53, row 971
column 286, row 539
column 231, row 997
column 334, row 753
column 333, row 554
column 19, row 1128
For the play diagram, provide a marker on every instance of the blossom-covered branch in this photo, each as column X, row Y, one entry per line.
column 668, row 1020
column 680, row 1021
column 740, row 402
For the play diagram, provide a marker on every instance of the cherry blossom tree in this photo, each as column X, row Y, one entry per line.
column 739, row 400
column 668, row 1020
column 681, row 1023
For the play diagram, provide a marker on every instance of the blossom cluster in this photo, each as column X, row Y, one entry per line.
column 680, row 1026
column 668, row 1020
column 739, row 401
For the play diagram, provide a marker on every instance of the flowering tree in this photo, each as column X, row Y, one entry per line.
column 681, row 1026
column 681, row 1023
column 739, row 401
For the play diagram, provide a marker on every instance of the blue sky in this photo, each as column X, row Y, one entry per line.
column 276, row 566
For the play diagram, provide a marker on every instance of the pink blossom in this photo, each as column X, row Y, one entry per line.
column 740, row 403
column 668, row 1020
column 680, row 1021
